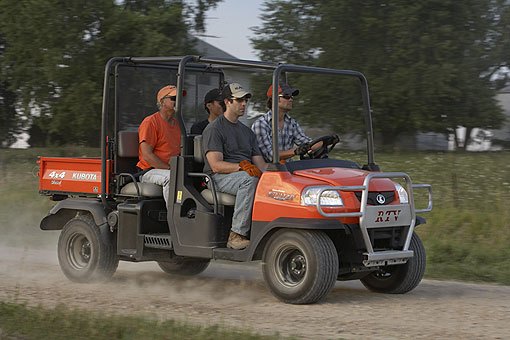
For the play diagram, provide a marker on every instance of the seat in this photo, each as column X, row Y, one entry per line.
column 144, row 189
column 223, row 198
column 127, row 147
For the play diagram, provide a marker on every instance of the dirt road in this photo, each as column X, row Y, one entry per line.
column 235, row 295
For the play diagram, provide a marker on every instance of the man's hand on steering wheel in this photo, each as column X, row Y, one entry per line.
column 302, row 149
column 328, row 143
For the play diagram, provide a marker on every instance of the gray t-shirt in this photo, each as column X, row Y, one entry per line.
column 236, row 141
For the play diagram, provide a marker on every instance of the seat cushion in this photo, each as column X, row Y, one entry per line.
column 223, row 198
column 146, row 189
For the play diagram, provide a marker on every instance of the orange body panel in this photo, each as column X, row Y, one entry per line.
column 71, row 175
column 279, row 193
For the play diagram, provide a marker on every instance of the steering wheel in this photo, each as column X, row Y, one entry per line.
column 328, row 143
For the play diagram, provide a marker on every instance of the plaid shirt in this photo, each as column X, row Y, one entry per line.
column 291, row 134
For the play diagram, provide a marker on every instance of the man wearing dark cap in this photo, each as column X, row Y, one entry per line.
column 233, row 160
column 290, row 134
column 213, row 104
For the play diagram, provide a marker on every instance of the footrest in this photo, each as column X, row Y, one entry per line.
column 386, row 258
column 162, row 241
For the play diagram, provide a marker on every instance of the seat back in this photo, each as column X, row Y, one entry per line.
column 127, row 151
column 128, row 144
column 127, row 156
column 198, row 155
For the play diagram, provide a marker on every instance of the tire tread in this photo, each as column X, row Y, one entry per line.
column 409, row 274
column 107, row 261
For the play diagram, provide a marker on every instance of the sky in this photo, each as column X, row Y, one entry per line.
column 230, row 23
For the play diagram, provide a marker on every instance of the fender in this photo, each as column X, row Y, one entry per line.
column 64, row 210
column 291, row 223
column 261, row 231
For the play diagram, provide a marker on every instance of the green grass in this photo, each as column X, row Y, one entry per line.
column 467, row 235
column 64, row 323
column 21, row 207
column 21, row 210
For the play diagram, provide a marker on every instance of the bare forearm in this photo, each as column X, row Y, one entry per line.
column 222, row 167
column 284, row 154
column 259, row 162
column 155, row 162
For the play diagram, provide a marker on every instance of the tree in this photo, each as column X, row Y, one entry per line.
column 56, row 51
column 427, row 62
column 10, row 122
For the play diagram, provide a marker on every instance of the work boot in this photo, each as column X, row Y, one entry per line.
column 236, row 241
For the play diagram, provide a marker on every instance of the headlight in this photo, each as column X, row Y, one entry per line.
column 402, row 194
column 328, row 197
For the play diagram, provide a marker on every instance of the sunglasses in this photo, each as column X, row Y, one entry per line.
column 286, row 96
column 240, row 100
column 172, row 98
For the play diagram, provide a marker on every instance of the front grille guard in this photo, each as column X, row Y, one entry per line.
column 382, row 216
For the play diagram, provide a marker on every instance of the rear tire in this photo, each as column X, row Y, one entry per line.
column 300, row 266
column 187, row 266
column 401, row 278
column 84, row 253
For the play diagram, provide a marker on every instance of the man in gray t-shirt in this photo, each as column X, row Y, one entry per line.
column 235, row 141
column 233, row 159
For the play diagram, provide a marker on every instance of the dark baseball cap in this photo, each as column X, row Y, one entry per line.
column 213, row 95
column 283, row 89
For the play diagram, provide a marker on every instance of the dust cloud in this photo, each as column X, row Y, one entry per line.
column 234, row 294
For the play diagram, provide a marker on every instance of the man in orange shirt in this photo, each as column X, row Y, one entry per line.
column 159, row 138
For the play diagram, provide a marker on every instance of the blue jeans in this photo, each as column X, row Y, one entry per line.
column 243, row 186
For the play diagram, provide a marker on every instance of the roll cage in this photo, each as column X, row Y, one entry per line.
column 184, row 64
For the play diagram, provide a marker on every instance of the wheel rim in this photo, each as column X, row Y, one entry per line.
column 291, row 266
column 79, row 251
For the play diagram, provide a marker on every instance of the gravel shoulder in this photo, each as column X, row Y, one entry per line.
column 235, row 295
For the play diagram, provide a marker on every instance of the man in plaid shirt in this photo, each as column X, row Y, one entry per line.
column 290, row 134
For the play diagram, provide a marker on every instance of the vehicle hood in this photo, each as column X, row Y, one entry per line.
column 346, row 177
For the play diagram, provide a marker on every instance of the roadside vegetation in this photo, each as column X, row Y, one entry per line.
column 63, row 323
column 466, row 236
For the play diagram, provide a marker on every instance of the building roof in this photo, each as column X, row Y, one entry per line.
column 208, row 50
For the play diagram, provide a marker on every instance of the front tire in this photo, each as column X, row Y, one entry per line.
column 300, row 266
column 84, row 253
column 186, row 266
column 402, row 278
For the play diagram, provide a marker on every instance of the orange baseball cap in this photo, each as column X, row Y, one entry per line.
column 169, row 90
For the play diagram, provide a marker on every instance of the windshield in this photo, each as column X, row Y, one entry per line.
column 137, row 86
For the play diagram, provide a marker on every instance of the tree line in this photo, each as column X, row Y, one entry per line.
column 432, row 65
column 53, row 53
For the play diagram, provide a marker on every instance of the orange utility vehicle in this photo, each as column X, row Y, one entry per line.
column 315, row 220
